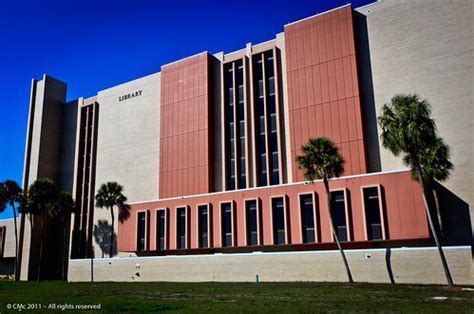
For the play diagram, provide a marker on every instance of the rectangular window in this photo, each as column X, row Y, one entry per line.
column 232, row 183
column 242, row 147
column 275, row 174
column 307, row 218
column 273, row 142
column 262, row 179
column 241, row 111
column 232, row 167
column 372, row 213
column 240, row 72
column 262, row 147
column 275, row 177
column 226, row 224
column 230, row 75
column 232, row 149
column 273, row 123
column 161, row 230
column 261, row 107
column 275, row 161
column 241, row 94
column 269, row 64
column 141, row 231
column 339, row 214
column 231, row 130
column 242, row 129
column 261, row 120
column 242, row 181
column 278, row 216
column 230, row 114
column 203, row 214
column 271, row 104
column 271, row 85
column 230, row 96
column 263, row 163
column 260, row 88
column 242, row 166
column 181, row 227
column 252, row 222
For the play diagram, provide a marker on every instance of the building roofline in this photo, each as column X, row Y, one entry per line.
column 47, row 76
column 123, row 83
column 185, row 58
column 369, row 4
column 267, row 187
column 264, row 42
column 317, row 14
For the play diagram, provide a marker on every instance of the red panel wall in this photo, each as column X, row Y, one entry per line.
column 323, row 89
column 186, row 127
column 404, row 209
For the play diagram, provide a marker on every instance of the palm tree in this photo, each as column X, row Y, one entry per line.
column 41, row 195
column 62, row 209
column 26, row 208
column 12, row 195
column 3, row 198
column 108, row 196
column 409, row 131
column 321, row 160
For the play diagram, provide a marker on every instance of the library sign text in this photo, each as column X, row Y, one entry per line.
column 131, row 95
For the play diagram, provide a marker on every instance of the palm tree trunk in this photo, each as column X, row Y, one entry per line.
column 344, row 259
column 16, row 241
column 31, row 224
column 421, row 180
column 112, row 232
column 65, row 249
column 437, row 206
column 41, row 243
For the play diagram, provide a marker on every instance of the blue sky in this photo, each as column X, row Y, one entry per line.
column 93, row 45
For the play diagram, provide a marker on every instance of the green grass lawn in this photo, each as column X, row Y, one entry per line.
column 238, row 297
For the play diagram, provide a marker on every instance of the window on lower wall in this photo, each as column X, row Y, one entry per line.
column 278, row 219
column 181, row 227
column 307, row 218
column 372, row 213
column 251, row 213
column 203, row 224
column 3, row 230
column 141, row 231
column 161, row 229
column 226, row 224
column 339, row 214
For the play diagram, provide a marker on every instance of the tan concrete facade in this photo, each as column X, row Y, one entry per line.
column 414, row 265
column 9, row 248
column 128, row 147
column 44, row 156
column 427, row 47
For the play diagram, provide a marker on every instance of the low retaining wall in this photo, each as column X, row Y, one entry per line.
column 420, row 265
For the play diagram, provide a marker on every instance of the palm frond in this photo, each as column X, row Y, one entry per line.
column 408, row 130
column 320, row 159
column 109, row 195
